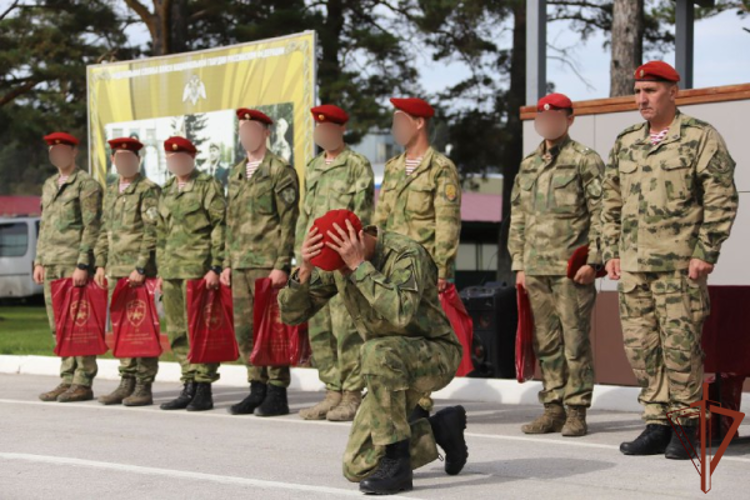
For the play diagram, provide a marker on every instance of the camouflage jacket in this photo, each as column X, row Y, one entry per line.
column 190, row 227
column 425, row 206
column 555, row 208
column 663, row 205
column 347, row 183
column 261, row 215
column 71, row 216
column 393, row 294
column 128, row 236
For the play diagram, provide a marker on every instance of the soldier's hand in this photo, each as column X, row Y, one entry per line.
column 80, row 277
column 212, row 280
column 521, row 279
column 585, row 275
column 311, row 247
column 278, row 278
column 699, row 269
column 100, row 276
column 442, row 284
column 135, row 278
column 613, row 269
column 226, row 277
column 349, row 245
column 159, row 283
column 38, row 274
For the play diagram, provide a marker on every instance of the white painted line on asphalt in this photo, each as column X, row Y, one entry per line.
column 199, row 476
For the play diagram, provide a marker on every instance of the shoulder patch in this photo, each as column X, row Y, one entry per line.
column 451, row 191
column 289, row 195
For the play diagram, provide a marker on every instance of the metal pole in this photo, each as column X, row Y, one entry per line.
column 684, row 41
column 536, row 50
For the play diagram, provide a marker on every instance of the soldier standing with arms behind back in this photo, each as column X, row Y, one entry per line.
column 189, row 246
column 338, row 178
column 69, row 227
column 669, row 202
column 421, row 196
column 556, row 210
column 262, row 212
column 127, row 249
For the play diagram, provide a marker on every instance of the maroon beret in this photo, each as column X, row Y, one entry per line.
column 56, row 138
column 329, row 113
column 414, row 106
column 125, row 144
column 656, row 71
column 329, row 259
column 253, row 114
column 578, row 260
column 554, row 101
column 179, row 145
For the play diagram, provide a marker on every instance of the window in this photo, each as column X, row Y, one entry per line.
column 14, row 239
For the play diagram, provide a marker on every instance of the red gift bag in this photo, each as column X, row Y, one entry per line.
column 135, row 322
column 210, row 324
column 80, row 317
column 274, row 343
column 525, row 357
column 462, row 325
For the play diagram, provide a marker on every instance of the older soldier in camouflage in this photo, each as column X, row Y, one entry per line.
column 555, row 210
column 189, row 246
column 338, row 178
column 71, row 211
column 420, row 196
column 127, row 250
column 262, row 212
column 669, row 203
column 388, row 283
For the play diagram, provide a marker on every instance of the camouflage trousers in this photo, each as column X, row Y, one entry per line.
column 142, row 369
column 335, row 344
column 78, row 370
column 243, row 300
column 174, row 298
column 398, row 371
column 562, row 323
column 662, row 317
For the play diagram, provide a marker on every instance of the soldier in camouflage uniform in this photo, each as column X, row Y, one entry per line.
column 388, row 283
column 263, row 209
column 669, row 202
column 189, row 246
column 127, row 250
column 420, row 196
column 338, row 178
column 556, row 210
column 71, row 211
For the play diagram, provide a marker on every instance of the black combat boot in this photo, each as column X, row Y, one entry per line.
column 275, row 403
column 183, row 400
column 418, row 413
column 251, row 402
column 652, row 441
column 393, row 473
column 448, row 428
column 683, row 446
column 203, row 399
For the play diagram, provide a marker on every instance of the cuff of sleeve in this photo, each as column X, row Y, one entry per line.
column 84, row 258
column 609, row 254
column 363, row 271
column 283, row 264
column 517, row 266
column 701, row 253
column 142, row 262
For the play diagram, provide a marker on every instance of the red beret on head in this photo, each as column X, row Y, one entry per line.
column 578, row 260
column 414, row 106
column 179, row 145
column 56, row 138
column 329, row 113
column 328, row 259
column 125, row 144
column 554, row 101
column 254, row 114
column 656, row 71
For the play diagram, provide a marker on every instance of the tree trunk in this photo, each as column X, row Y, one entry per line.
column 627, row 45
column 329, row 70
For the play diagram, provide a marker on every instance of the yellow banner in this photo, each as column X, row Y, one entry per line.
column 195, row 95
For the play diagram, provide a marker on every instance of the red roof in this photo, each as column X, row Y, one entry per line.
column 13, row 206
column 476, row 207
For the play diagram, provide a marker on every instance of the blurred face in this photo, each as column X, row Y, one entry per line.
column 329, row 136
column 62, row 155
column 405, row 128
column 127, row 163
column 553, row 124
column 656, row 100
column 214, row 154
column 181, row 163
column 253, row 135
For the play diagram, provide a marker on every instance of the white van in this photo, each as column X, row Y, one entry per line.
column 18, row 237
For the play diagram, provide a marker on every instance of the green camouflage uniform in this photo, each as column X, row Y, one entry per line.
column 662, row 206
column 190, row 240
column 67, row 235
column 409, row 347
column 261, row 216
column 425, row 206
column 346, row 183
column 127, row 241
column 556, row 209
